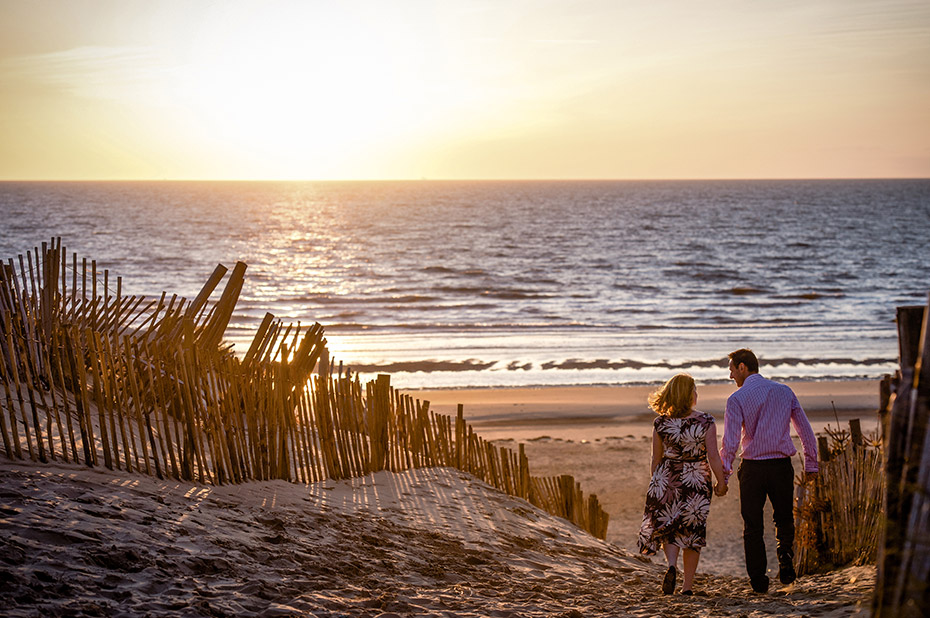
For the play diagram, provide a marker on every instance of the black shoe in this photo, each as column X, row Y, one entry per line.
column 760, row 584
column 687, row 593
column 786, row 574
column 668, row 584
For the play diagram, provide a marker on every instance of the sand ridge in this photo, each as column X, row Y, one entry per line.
column 427, row 542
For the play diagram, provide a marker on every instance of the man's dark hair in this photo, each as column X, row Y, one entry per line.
column 746, row 357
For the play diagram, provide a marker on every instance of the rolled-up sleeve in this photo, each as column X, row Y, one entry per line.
column 808, row 441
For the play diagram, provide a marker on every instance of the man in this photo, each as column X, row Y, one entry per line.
column 757, row 419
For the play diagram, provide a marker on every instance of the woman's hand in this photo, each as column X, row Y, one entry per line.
column 721, row 489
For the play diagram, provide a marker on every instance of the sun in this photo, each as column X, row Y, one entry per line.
column 301, row 89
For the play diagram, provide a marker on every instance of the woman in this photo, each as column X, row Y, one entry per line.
column 684, row 453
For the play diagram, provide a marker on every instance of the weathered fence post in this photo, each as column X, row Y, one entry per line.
column 378, row 411
column 460, row 437
column 823, row 448
column 901, row 587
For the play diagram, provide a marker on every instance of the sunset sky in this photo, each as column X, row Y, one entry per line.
column 118, row 89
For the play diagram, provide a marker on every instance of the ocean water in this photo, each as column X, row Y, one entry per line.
column 493, row 283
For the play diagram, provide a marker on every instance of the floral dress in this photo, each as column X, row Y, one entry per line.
column 678, row 499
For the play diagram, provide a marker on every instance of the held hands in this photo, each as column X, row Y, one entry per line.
column 721, row 489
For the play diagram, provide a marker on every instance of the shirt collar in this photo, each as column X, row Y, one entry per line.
column 753, row 377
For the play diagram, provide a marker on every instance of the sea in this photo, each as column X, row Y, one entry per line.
column 522, row 283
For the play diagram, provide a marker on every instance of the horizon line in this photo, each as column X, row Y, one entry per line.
column 720, row 179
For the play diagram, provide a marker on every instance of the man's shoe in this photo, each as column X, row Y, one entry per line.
column 668, row 584
column 786, row 574
column 760, row 584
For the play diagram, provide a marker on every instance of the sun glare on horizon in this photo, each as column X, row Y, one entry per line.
column 369, row 90
column 302, row 93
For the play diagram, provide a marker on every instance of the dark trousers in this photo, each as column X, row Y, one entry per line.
column 759, row 480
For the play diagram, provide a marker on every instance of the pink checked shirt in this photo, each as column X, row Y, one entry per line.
column 759, row 412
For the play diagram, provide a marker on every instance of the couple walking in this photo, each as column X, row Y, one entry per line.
column 684, row 455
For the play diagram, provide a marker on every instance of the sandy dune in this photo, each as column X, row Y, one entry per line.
column 430, row 542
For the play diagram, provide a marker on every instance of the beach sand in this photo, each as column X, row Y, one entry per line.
column 435, row 542
column 553, row 404
column 602, row 435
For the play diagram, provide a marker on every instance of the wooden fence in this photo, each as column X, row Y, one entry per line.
column 839, row 513
column 95, row 377
column 872, row 498
column 903, row 583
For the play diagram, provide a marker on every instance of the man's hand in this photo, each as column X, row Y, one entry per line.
column 810, row 477
column 721, row 489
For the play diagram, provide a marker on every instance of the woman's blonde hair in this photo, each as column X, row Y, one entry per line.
column 675, row 398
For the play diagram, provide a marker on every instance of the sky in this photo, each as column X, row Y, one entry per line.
column 469, row 89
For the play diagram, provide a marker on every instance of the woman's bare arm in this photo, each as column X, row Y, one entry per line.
column 713, row 458
column 657, row 451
